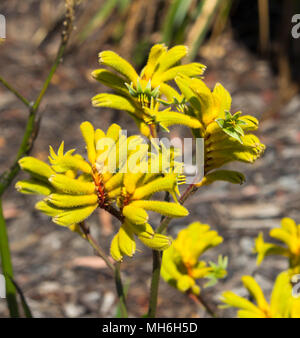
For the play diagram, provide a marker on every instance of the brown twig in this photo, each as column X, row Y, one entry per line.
column 200, row 300
column 96, row 246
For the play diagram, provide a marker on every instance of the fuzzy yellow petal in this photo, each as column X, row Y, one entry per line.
column 71, row 186
column 75, row 215
column 33, row 187
column 126, row 241
column 252, row 286
column 88, row 134
column 70, row 201
column 35, row 167
column 165, row 208
column 115, row 249
column 116, row 62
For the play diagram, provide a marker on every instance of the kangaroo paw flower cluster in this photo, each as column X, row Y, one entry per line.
column 289, row 235
column 116, row 176
column 282, row 303
column 181, row 266
column 140, row 95
column 225, row 138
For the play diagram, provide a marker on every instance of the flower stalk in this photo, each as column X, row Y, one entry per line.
column 96, row 246
column 120, row 290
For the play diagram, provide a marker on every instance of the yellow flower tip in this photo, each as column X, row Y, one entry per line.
column 35, row 167
column 196, row 290
column 51, row 178
column 33, row 187
column 135, row 215
column 115, row 249
column 156, row 241
column 88, row 134
column 126, row 240
column 185, row 283
column 95, row 73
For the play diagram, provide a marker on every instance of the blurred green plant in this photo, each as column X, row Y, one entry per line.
column 6, row 178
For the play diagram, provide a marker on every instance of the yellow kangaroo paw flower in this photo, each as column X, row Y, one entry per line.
column 33, row 187
column 70, row 201
column 71, row 186
column 75, row 215
column 35, row 167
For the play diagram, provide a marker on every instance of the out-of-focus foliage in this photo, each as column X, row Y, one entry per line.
column 282, row 303
column 181, row 264
column 289, row 235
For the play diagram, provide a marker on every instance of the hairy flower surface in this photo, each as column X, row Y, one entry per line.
column 140, row 94
column 181, row 266
column 117, row 177
column 288, row 234
column 282, row 303
column 225, row 138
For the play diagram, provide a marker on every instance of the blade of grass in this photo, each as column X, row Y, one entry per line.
column 221, row 19
column 31, row 130
column 120, row 290
column 98, row 19
column 202, row 24
column 264, row 23
column 25, row 306
column 174, row 19
column 119, row 306
column 7, row 268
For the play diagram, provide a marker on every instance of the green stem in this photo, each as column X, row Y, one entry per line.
column 31, row 131
column 56, row 63
column 32, row 124
column 157, row 256
column 15, row 92
column 115, row 269
column 11, row 294
column 120, row 290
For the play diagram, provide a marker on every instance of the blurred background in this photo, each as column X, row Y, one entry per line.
column 246, row 45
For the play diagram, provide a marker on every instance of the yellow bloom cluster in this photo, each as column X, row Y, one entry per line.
column 282, row 303
column 224, row 134
column 289, row 234
column 206, row 112
column 181, row 266
column 112, row 179
column 140, row 95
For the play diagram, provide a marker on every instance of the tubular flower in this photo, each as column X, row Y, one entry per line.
column 115, row 177
column 180, row 264
column 134, row 202
column 224, row 134
column 289, row 234
column 140, row 95
column 282, row 303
